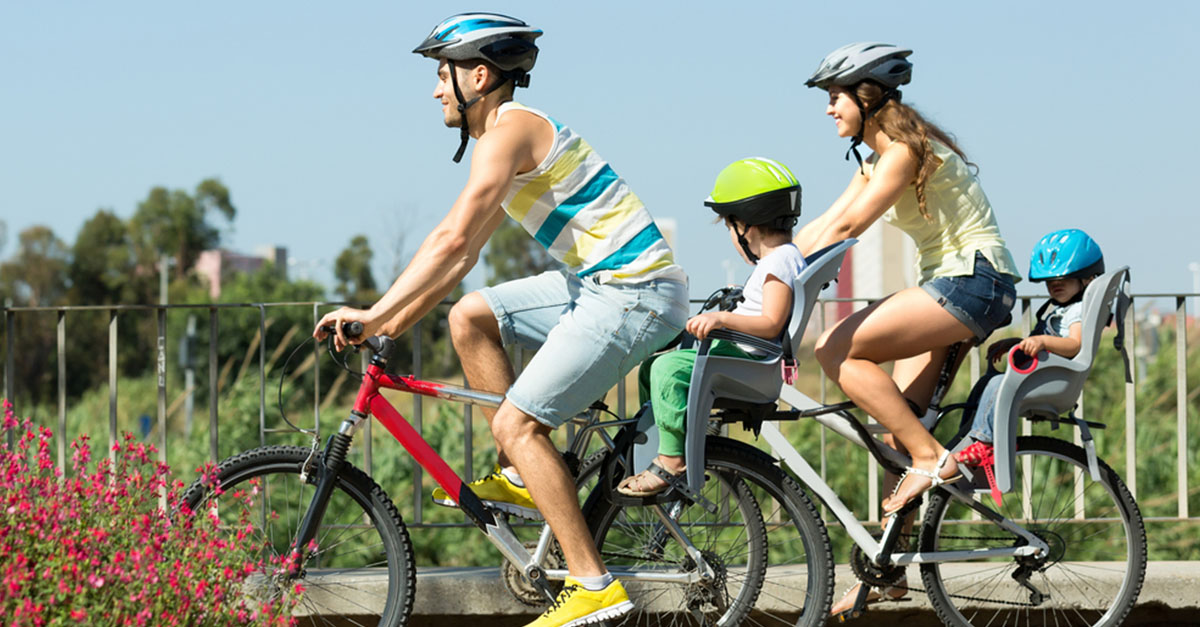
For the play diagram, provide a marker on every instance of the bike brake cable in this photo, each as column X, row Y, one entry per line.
column 279, row 396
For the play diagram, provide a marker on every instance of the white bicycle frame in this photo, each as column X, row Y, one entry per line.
column 811, row 479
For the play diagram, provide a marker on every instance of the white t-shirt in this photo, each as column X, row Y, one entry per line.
column 784, row 263
column 1058, row 320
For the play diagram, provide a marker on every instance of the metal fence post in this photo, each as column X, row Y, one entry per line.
column 316, row 375
column 162, row 387
column 1131, row 401
column 1181, row 392
column 213, row 432
column 468, row 438
column 418, row 501
column 62, row 389
column 262, row 367
column 9, row 373
column 112, row 385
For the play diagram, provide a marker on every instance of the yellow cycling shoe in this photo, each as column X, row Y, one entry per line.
column 577, row 605
column 498, row 493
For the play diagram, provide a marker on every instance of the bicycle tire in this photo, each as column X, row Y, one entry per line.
column 799, row 584
column 342, row 577
column 1096, row 566
column 630, row 537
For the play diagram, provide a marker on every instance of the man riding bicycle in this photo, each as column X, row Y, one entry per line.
column 619, row 298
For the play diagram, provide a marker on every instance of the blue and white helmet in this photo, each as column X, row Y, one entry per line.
column 504, row 41
column 1066, row 254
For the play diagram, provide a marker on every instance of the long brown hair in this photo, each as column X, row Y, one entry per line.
column 902, row 123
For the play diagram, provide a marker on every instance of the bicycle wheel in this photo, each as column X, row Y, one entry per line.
column 798, row 589
column 1097, row 560
column 733, row 542
column 361, row 572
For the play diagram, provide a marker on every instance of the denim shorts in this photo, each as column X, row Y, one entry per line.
column 981, row 300
column 587, row 335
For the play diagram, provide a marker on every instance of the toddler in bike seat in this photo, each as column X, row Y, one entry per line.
column 1067, row 260
column 759, row 200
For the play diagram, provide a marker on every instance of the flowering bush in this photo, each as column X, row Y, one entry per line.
column 97, row 548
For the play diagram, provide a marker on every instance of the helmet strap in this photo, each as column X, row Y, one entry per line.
column 741, row 236
column 465, row 134
column 867, row 115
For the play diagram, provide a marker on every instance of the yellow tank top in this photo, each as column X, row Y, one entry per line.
column 962, row 221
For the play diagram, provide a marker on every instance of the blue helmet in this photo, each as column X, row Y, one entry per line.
column 1066, row 254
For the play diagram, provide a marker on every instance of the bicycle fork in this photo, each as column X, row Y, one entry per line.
column 332, row 462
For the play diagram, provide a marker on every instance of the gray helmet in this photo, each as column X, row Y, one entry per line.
column 854, row 63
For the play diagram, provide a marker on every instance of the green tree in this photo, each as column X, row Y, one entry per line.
column 353, row 272
column 102, row 263
column 36, row 276
column 512, row 254
column 176, row 223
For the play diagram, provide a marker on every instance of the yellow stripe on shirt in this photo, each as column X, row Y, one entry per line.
column 598, row 231
column 568, row 163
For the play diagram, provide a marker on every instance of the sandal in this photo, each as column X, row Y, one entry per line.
column 935, row 480
column 626, row 487
column 984, row 455
column 889, row 594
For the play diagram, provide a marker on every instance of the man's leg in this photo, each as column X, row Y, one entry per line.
column 540, row 465
column 476, row 337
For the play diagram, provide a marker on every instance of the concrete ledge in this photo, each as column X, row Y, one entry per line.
column 449, row 596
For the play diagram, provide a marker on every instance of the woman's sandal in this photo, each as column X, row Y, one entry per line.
column 935, row 480
column 889, row 594
column 626, row 487
column 983, row 455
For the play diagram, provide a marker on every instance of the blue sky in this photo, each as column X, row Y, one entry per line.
column 322, row 124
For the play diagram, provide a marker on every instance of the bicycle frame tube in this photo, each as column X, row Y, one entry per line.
column 370, row 401
column 859, row 534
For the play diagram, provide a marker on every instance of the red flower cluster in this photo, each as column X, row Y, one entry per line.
column 97, row 547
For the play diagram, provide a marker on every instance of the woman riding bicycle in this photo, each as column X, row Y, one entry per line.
column 919, row 180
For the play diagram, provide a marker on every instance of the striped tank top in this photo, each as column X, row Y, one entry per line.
column 585, row 215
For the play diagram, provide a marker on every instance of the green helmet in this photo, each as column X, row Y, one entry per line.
column 757, row 191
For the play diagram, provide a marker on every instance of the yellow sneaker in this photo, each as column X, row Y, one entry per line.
column 498, row 493
column 577, row 605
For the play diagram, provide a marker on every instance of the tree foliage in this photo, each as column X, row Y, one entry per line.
column 103, row 269
column 176, row 223
column 36, row 276
column 352, row 269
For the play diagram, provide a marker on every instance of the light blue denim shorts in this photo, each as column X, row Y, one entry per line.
column 587, row 335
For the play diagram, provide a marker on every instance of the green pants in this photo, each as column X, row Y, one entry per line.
column 664, row 380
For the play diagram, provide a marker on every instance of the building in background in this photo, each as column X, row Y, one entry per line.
column 218, row 264
column 881, row 263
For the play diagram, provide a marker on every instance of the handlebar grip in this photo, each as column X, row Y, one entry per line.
column 351, row 329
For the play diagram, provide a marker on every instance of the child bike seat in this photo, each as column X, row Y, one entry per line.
column 749, row 381
column 1048, row 385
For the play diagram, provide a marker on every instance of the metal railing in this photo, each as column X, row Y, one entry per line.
column 115, row 312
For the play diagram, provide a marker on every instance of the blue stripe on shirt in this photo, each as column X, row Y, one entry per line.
column 645, row 238
column 557, row 220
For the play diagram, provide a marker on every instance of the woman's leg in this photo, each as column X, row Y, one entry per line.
column 908, row 324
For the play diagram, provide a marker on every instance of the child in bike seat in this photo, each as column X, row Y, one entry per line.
column 1067, row 261
column 759, row 201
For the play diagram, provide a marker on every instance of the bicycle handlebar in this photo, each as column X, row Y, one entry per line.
column 351, row 329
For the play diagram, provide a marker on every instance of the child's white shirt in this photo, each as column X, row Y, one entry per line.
column 785, row 263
